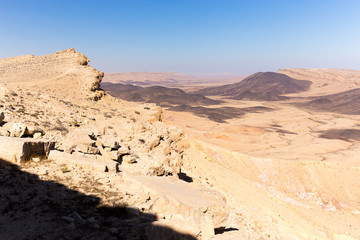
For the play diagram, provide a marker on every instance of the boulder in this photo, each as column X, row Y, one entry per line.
column 31, row 130
column 17, row 130
column 108, row 141
column 185, row 208
column 20, row 150
column 37, row 135
column 86, row 148
column 78, row 137
column 156, row 115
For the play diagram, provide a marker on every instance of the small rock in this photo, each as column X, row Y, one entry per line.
column 78, row 218
column 129, row 159
column 4, row 132
column 37, row 135
column 17, row 130
column 86, row 148
column 67, row 219
column 32, row 130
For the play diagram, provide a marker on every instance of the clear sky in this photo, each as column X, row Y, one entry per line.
column 188, row 36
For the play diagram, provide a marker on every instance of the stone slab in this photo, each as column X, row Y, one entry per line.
column 20, row 150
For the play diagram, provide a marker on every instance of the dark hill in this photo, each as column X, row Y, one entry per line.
column 161, row 95
column 262, row 86
column 344, row 102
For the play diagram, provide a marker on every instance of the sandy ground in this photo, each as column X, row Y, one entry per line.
column 283, row 166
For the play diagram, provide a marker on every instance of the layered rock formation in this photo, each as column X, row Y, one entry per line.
column 66, row 73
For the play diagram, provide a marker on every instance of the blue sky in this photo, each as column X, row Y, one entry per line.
column 188, row 36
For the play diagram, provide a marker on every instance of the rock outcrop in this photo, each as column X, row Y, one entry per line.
column 65, row 73
column 48, row 110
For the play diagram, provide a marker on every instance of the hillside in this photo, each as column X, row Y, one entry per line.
column 162, row 96
column 344, row 102
column 262, row 86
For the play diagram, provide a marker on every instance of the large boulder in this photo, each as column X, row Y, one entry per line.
column 78, row 137
column 20, row 150
column 183, row 207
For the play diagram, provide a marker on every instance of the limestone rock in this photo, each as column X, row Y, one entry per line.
column 37, row 135
column 78, row 137
column 156, row 115
column 17, row 130
column 31, row 130
column 108, row 141
column 87, row 148
column 128, row 159
column 19, row 150
column 185, row 208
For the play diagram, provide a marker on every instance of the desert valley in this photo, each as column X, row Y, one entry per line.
column 88, row 155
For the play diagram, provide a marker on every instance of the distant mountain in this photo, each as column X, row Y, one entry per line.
column 156, row 94
column 347, row 102
column 262, row 86
column 171, row 79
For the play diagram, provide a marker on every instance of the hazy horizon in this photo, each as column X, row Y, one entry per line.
column 202, row 37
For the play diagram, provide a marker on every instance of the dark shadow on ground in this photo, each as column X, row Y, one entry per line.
column 31, row 208
column 341, row 134
column 220, row 114
column 344, row 102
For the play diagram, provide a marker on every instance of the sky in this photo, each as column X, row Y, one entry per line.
column 187, row 36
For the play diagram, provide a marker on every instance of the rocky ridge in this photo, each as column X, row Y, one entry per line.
column 53, row 103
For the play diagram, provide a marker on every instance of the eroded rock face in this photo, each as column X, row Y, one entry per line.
column 64, row 72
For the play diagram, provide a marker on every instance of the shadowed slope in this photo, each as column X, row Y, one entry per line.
column 345, row 102
column 32, row 208
column 161, row 95
column 220, row 114
column 262, row 86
